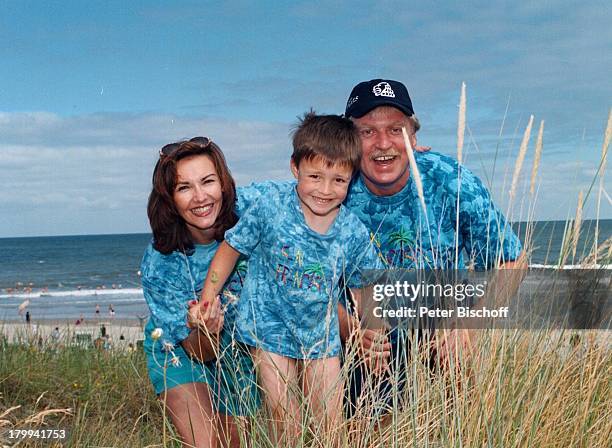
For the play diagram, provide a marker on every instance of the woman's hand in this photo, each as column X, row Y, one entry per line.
column 205, row 315
column 206, row 320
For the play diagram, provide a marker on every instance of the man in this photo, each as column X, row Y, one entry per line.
column 385, row 197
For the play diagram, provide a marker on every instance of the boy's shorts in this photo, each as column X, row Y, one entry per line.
column 230, row 377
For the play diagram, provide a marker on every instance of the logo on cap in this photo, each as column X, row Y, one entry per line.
column 351, row 101
column 383, row 89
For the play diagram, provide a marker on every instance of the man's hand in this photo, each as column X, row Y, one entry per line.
column 207, row 316
column 374, row 348
column 454, row 345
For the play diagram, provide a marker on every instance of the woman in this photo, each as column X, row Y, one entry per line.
column 203, row 377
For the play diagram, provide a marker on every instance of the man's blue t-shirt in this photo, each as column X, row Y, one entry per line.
column 405, row 237
column 289, row 301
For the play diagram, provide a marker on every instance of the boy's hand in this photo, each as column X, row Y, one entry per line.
column 422, row 148
column 207, row 316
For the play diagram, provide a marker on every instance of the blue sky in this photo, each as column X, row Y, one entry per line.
column 90, row 90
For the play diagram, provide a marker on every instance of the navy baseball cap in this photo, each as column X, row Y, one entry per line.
column 368, row 95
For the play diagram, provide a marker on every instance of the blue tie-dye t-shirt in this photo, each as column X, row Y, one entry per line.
column 289, row 301
column 405, row 237
column 170, row 281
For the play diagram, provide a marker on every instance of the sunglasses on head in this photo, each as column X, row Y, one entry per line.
column 203, row 142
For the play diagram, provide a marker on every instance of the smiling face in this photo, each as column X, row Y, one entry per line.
column 198, row 196
column 321, row 188
column 384, row 162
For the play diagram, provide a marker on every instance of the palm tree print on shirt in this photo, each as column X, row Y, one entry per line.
column 401, row 239
column 241, row 270
column 314, row 272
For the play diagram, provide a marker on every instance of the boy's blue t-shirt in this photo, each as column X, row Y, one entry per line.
column 406, row 238
column 289, row 301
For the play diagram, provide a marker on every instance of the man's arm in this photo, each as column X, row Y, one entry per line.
column 502, row 287
column 488, row 239
column 373, row 346
column 519, row 263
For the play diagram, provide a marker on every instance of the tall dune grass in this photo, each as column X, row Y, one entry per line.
column 516, row 388
column 519, row 388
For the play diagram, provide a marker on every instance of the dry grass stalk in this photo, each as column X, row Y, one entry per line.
column 537, row 157
column 461, row 124
column 460, row 138
column 39, row 417
column 608, row 134
column 6, row 413
column 414, row 171
column 521, row 157
column 534, row 175
column 565, row 242
column 577, row 224
column 602, row 253
column 604, row 157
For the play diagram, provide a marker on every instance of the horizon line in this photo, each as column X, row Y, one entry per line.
column 150, row 233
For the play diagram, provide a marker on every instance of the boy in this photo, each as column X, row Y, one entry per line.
column 300, row 240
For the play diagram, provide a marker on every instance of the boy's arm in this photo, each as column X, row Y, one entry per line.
column 219, row 271
column 207, row 315
column 347, row 323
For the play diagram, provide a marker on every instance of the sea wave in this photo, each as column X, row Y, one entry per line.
column 570, row 266
column 72, row 293
column 138, row 291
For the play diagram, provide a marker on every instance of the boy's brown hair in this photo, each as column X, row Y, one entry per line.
column 331, row 138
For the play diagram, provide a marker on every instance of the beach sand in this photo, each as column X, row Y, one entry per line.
column 41, row 331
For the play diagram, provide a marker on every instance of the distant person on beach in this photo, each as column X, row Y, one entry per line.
column 190, row 208
column 97, row 310
column 55, row 335
column 27, row 317
column 385, row 197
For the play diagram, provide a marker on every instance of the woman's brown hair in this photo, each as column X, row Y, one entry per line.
column 170, row 231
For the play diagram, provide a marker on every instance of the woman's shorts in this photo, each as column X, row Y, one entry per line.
column 230, row 377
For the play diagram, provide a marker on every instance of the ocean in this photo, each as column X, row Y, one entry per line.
column 65, row 277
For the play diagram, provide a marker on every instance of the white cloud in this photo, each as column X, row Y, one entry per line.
column 93, row 173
